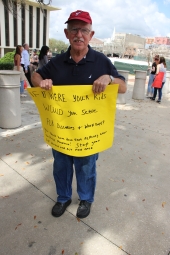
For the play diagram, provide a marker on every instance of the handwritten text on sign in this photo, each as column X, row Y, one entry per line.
column 74, row 120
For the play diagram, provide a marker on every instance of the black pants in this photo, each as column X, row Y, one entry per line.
column 28, row 75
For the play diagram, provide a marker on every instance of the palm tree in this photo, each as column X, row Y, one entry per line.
column 9, row 4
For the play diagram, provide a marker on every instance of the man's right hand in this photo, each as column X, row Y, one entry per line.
column 38, row 81
column 46, row 84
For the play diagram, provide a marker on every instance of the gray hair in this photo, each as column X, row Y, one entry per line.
column 25, row 44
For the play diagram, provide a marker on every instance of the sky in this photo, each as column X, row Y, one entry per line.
column 147, row 18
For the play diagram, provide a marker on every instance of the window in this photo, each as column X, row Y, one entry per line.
column 6, row 26
column 38, row 29
column 30, row 25
column 15, row 22
column 23, row 23
column 44, row 27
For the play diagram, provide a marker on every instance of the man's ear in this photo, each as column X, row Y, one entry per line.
column 91, row 34
column 66, row 32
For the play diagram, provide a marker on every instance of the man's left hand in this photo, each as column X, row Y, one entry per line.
column 100, row 84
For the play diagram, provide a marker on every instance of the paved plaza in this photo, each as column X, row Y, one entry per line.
column 131, row 212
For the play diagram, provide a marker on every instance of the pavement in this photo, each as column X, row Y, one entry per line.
column 131, row 212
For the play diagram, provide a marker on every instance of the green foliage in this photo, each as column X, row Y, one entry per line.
column 7, row 62
column 57, row 45
column 9, row 57
column 6, row 65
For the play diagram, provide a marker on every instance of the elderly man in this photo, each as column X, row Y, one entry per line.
column 79, row 65
column 25, row 62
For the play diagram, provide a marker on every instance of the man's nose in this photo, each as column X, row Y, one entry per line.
column 79, row 32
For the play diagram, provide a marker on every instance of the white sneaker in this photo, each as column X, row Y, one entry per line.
column 23, row 95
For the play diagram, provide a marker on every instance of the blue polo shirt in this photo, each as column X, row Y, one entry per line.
column 63, row 70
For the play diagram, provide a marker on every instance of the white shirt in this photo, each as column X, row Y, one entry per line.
column 25, row 60
column 161, row 68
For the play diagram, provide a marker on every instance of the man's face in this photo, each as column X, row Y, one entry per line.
column 79, row 39
column 26, row 47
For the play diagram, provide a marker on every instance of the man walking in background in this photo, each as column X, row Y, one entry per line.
column 25, row 63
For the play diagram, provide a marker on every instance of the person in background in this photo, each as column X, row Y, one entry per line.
column 49, row 55
column 25, row 63
column 79, row 65
column 161, row 67
column 150, row 90
column 34, row 58
column 18, row 67
column 34, row 61
column 43, row 59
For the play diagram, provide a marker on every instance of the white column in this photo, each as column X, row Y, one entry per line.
column 168, row 79
column 2, row 52
column 10, row 114
column 2, row 30
column 139, row 86
column 121, row 98
column 166, row 87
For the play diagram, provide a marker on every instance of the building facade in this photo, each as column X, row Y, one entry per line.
column 124, row 45
column 162, row 40
column 132, row 43
column 96, row 44
column 30, row 25
column 150, row 40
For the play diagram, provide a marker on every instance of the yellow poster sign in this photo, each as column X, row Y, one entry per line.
column 74, row 120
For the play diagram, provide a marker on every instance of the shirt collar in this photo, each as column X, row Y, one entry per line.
column 89, row 57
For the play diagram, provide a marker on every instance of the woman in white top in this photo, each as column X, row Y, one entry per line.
column 161, row 67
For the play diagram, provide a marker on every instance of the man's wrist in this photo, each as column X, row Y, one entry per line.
column 111, row 79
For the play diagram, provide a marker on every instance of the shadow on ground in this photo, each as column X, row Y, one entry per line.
column 131, row 210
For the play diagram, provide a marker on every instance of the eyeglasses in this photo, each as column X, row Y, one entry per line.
column 84, row 31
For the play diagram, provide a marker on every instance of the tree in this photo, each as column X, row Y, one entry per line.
column 10, row 3
column 57, row 45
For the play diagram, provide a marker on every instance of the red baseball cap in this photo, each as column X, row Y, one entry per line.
column 80, row 15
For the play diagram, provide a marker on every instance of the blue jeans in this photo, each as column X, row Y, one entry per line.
column 22, row 87
column 85, row 169
column 150, row 89
column 159, row 92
